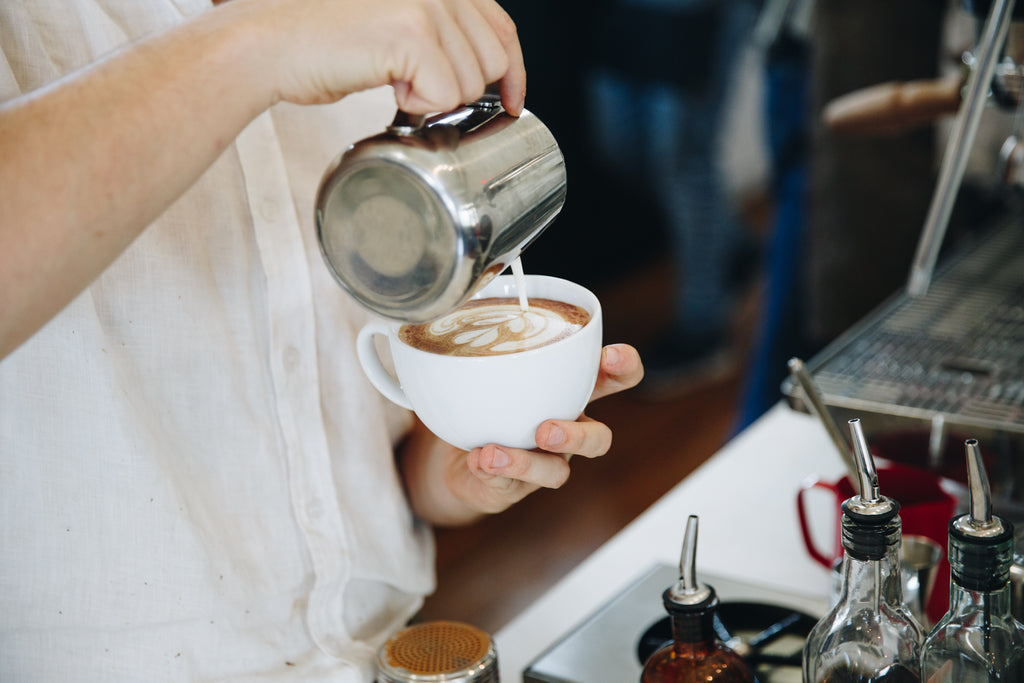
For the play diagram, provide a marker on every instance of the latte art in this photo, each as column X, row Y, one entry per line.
column 495, row 326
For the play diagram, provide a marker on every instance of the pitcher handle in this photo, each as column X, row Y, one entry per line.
column 486, row 107
column 805, row 529
column 405, row 123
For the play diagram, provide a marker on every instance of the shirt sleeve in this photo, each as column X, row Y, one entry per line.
column 9, row 88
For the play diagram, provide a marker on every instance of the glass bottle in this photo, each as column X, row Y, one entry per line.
column 869, row 636
column 978, row 639
column 695, row 653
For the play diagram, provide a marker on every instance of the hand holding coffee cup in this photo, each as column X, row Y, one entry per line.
column 488, row 373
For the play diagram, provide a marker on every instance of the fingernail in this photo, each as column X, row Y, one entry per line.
column 555, row 436
column 499, row 459
column 611, row 355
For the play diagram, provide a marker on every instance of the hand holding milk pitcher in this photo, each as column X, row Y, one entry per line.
column 417, row 220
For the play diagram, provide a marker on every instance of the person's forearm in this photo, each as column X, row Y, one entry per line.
column 426, row 463
column 87, row 162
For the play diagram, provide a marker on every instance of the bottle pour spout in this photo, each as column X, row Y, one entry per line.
column 866, row 473
column 688, row 591
column 869, row 501
column 980, row 523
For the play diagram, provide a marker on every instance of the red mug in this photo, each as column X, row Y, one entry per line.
column 925, row 509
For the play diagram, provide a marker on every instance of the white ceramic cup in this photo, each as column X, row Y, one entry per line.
column 471, row 401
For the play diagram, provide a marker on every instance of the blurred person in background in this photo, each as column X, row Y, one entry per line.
column 635, row 92
column 657, row 98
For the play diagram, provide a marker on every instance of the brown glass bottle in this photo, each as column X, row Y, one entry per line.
column 695, row 652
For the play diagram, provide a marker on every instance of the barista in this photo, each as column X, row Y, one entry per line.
column 197, row 481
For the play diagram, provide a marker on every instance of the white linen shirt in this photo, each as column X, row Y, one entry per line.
column 197, row 482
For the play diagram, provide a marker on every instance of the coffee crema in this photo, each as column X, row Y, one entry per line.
column 496, row 326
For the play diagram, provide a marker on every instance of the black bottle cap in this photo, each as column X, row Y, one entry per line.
column 868, row 537
column 980, row 563
column 980, row 543
column 692, row 622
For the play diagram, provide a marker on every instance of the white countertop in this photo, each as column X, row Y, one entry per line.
column 745, row 496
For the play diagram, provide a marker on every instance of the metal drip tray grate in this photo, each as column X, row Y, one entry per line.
column 953, row 357
column 957, row 350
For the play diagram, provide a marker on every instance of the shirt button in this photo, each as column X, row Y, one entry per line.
column 316, row 509
column 290, row 358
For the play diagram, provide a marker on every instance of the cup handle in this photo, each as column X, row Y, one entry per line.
column 805, row 529
column 375, row 372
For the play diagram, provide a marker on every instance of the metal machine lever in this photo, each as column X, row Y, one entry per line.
column 954, row 161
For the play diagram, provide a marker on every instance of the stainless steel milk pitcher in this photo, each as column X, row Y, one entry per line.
column 414, row 220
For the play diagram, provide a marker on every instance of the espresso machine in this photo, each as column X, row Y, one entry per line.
column 943, row 359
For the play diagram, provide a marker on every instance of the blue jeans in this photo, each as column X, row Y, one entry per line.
column 666, row 138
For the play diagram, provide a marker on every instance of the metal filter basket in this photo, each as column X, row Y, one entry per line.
column 438, row 651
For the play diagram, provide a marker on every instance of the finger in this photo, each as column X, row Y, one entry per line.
column 428, row 83
column 422, row 65
column 513, row 83
column 585, row 436
column 461, row 47
column 486, row 492
column 621, row 369
column 491, row 55
column 531, row 467
column 513, row 78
